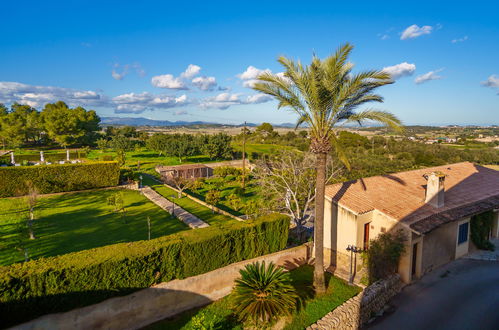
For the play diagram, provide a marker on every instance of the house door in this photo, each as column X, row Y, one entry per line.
column 366, row 235
column 414, row 258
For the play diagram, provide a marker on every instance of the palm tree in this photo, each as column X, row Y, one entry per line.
column 263, row 293
column 326, row 94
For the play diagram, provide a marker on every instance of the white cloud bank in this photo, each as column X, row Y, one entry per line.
column 432, row 75
column 138, row 103
column 415, row 31
column 37, row 96
column 400, row 70
column 187, row 79
column 223, row 101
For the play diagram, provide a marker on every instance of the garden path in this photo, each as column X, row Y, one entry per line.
column 186, row 217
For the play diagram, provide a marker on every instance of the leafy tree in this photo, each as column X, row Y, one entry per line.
column 102, row 144
column 263, row 293
column 234, row 202
column 117, row 202
column 325, row 94
column 213, row 197
column 265, row 129
column 68, row 126
column 218, row 146
column 121, row 145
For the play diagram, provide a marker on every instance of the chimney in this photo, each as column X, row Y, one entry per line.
column 435, row 189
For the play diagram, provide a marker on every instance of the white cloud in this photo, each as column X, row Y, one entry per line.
column 180, row 112
column 249, row 76
column 415, row 31
column 168, row 81
column 400, row 70
column 191, row 71
column 492, row 82
column 120, row 71
column 38, row 96
column 138, row 103
column 223, row 101
column 258, row 98
column 432, row 75
column 205, row 83
column 457, row 40
column 384, row 36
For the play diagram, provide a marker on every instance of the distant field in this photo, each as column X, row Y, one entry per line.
column 79, row 221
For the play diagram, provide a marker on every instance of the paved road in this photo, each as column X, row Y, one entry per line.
column 461, row 295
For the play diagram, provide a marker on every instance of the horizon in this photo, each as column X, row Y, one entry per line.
column 150, row 61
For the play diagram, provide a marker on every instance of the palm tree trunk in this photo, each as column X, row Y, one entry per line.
column 319, row 280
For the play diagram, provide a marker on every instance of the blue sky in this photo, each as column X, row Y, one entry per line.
column 129, row 58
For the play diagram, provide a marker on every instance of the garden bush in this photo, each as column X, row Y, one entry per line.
column 58, row 284
column 223, row 171
column 57, row 177
column 382, row 257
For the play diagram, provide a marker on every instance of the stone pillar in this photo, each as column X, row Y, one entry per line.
column 67, row 155
column 12, row 160
column 42, row 158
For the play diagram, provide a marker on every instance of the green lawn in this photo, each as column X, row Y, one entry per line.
column 189, row 205
column 79, row 221
column 228, row 186
column 266, row 149
column 308, row 312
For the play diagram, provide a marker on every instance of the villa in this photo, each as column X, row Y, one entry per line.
column 433, row 207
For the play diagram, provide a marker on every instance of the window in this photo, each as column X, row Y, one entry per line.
column 463, row 233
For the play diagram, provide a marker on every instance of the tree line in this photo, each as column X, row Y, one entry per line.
column 55, row 123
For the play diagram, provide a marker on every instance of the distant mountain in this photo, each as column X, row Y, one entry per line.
column 140, row 121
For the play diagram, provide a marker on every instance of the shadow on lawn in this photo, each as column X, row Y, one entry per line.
column 15, row 312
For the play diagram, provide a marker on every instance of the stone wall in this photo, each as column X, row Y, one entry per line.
column 160, row 301
column 359, row 310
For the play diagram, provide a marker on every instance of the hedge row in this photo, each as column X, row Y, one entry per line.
column 57, row 177
column 58, row 284
column 48, row 157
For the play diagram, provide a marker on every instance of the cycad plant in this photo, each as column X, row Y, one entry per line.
column 263, row 293
column 326, row 94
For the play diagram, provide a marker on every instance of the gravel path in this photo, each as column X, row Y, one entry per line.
column 186, row 217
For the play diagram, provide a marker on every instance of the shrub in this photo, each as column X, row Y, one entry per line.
column 481, row 225
column 57, row 177
column 223, row 171
column 58, row 284
column 263, row 293
column 107, row 158
column 384, row 254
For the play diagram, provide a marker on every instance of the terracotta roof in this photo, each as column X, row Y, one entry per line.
column 180, row 167
column 469, row 189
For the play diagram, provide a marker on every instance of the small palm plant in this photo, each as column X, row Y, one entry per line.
column 263, row 293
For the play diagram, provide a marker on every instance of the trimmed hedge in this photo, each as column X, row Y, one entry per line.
column 48, row 157
column 58, row 284
column 57, row 177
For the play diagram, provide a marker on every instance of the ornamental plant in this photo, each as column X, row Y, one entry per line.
column 263, row 293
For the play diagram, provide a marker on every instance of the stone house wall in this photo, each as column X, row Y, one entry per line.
column 357, row 311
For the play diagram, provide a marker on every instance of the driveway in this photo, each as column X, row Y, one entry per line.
column 463, row 294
